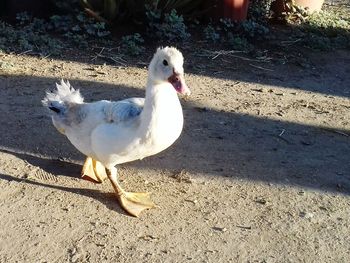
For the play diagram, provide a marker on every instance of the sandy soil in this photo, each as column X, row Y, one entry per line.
column 261, row 172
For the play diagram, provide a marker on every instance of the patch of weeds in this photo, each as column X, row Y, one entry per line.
column 35, row 35
column 77, row 40
column 132, row 44
column 90, row 26
column 27, row 38
column 326, row 23
column 79, row 24
column 170, row 27
column 246, row 29
column 235, row 34
column 211, row 34
column 325, row 30
column 78, row 28
column 96, row 29
column 23, row 18
column 318, row 42
column 239, row 43
column 62, row 23
column 252, row 29
column 259, row 10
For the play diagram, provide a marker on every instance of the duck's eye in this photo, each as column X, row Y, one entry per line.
column 165, row 63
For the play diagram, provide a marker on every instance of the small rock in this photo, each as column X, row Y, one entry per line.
column 259, row 90
column 192, row 201
column 202, row 109
column 306, row 215
column 148, row 238
column 220, row 229
column 306, row 143
column 261, row 201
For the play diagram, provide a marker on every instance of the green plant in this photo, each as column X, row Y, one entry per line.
column 61, row 23
column 171, row 27
column 79, row 24
column 33, row 34
column 132, row 44
column 96, row 29
column 326, row 30
column 259, row 10
column 27, row 39
column 235, row 34
column 211, row 34
column 317, row 42
column 23, row 18
column 252, row 29
column 246, row 29
column 326, row 23
column 238, row 43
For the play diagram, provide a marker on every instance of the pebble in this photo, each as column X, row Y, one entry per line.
column 261, row 201
column 220, row 229
column 306, row 215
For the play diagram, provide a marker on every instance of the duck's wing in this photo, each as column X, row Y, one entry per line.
column 124, row 110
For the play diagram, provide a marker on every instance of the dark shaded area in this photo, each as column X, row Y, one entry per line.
column 304, row 156
column 301, row 70
column 38, row 8
column 277, row 60
column 108, row 199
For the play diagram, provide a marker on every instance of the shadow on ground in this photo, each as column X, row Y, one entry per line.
column 108, row 199
column 213, row 143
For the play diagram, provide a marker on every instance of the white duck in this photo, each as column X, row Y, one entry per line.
column 111, row 133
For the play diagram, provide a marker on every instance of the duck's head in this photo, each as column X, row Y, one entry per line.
column 167, row 66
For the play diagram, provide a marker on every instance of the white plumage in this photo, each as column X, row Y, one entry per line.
column 117, row 132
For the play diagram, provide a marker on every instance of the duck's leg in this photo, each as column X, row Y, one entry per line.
column 93, row 171
column 133, row 203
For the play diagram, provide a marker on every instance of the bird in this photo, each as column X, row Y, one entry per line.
column 110, row 133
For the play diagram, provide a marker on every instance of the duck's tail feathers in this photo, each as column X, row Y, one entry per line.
column 62, row 98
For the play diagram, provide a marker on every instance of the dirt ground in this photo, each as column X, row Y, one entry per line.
column 261, row 172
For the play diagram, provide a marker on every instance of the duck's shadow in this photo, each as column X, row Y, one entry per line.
column 61, row 168
column 213, row 143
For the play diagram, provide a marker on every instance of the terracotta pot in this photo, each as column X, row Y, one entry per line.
column 233, row 9
column 279, row 6
column 312, row 5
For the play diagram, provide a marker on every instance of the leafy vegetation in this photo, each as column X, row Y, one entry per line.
column 28, row 38
column 211, row 34
column 259, row 11
column 33, row 34
column 170, row 28
column 167, row 21
column 322, row 30
column 133, row 44
column 326, row 30
column 235, row 34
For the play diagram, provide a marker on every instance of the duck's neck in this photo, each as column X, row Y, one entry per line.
column 161, row 107
column 158, row 96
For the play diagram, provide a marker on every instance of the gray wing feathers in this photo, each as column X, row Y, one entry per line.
column 125, row 109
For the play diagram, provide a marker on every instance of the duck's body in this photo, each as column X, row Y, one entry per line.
column 118, row 132
column 137, row 128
